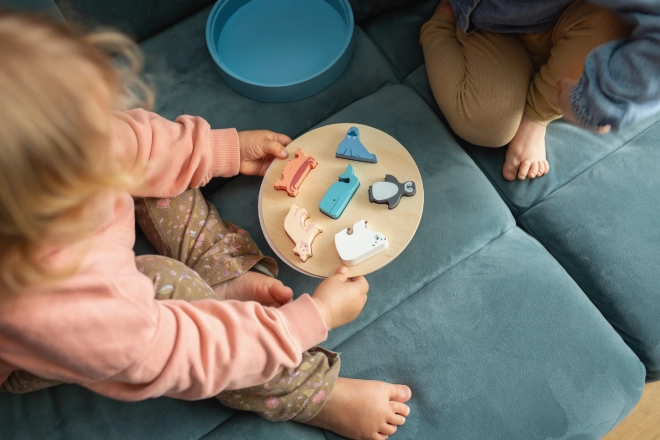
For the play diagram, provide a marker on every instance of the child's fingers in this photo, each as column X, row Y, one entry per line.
column 341, row 274
column 282, row 139
column 274, row 148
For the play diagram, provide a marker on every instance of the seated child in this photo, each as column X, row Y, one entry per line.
column 203, row 318
column 501, row 70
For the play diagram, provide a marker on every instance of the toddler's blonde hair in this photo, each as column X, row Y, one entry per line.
column 57, row 90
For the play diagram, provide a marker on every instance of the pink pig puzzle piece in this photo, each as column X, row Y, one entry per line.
column 301, row 235
column 294, row 173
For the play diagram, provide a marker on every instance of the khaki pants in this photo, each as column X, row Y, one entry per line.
column 484, row 82
column 198, row 250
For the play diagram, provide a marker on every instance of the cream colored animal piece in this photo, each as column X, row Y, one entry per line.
column 301, row 235
column 360, row 245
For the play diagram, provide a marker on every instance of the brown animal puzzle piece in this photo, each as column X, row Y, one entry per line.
column 295, row 172
column 302, row 236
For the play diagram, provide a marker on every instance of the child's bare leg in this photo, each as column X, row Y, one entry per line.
column 364, row 409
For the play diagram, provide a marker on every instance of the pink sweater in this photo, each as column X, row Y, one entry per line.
column 102, row 327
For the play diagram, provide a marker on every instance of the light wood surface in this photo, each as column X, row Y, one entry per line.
column 643, row 423
column 398, row 225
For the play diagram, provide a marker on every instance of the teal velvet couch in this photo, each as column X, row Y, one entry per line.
column 520, row 310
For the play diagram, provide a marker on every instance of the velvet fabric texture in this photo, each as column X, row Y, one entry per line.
column 519, row 310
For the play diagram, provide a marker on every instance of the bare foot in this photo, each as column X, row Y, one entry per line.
column 525, row 156
column 444, row 8
column 364, row 409
column 254, row 286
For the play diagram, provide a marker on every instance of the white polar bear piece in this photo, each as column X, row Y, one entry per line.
column 361, row 244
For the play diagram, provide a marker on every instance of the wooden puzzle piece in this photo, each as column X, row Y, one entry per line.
column 352, row 148
column 339, row 194
column 360, row 245
column 390, row 191
column 301, row 235
column 295, row 172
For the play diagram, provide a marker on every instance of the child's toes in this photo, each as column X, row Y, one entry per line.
column 547, row 167
column 399, row 393
column 400, row 408
column 541, row 168
column 533, row 170
column 524, row 169
column 510, row 168
column 396, row 420
column 387, row 429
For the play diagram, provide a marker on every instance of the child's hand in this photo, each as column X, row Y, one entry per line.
column 565, row 86
column 259, row 148
column 340, row 299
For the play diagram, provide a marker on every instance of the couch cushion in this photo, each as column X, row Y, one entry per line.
column 571, row 151
column 604, row 228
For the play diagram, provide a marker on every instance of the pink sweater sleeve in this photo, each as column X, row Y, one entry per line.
column 173, row 156
column 128, row 346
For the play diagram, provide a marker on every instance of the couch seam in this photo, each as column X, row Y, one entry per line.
column 590, row 167
column 397, row 72
column 512, row 207
column 219, row 424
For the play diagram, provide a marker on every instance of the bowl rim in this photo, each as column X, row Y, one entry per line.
column 214, row 54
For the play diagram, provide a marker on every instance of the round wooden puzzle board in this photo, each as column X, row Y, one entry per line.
column 398, row 224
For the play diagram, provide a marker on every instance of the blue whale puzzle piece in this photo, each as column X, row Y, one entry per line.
column 339, row 194
column 352, row 148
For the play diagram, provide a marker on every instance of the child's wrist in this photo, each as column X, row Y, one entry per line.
column 325, row 312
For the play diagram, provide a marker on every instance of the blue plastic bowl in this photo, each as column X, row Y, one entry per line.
column 280, row 50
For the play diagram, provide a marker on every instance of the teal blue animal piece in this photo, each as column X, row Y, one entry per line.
column 339, row 194
column 351, row 148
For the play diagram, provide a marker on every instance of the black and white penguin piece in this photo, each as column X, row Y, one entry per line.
column 390, row 191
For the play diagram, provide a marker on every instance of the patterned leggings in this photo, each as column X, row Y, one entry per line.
column 199, row 250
